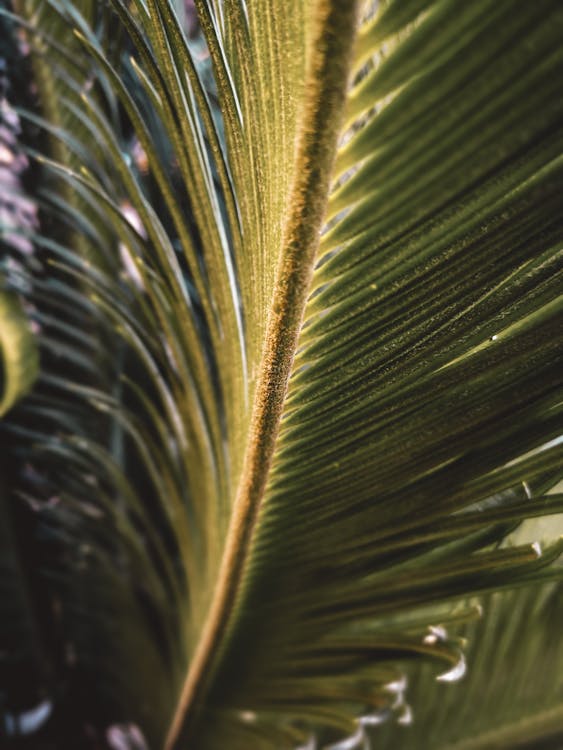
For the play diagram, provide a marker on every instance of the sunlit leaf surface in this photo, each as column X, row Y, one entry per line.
column 296, row 279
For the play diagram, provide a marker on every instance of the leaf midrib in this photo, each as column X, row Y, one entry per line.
column 326, row 86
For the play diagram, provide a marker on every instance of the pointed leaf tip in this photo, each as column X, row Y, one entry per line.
column 456, row 673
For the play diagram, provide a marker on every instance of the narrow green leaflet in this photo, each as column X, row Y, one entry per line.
column 18, row 352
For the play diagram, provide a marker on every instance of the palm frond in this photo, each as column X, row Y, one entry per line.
column 512, row 695
column 301, row 354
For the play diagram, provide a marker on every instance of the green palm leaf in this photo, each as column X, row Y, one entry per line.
column 514, row 652
column 301, row 356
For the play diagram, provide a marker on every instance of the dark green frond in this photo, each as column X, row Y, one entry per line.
column 296, row 282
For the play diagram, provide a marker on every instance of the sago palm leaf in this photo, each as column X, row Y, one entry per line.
column 514, row 652
column 300, row 335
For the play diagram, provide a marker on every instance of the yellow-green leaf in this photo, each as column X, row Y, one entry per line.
column 18, row 351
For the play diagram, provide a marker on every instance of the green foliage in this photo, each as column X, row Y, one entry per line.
column 513, row 652
column 18, row 354
column 301, row 374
